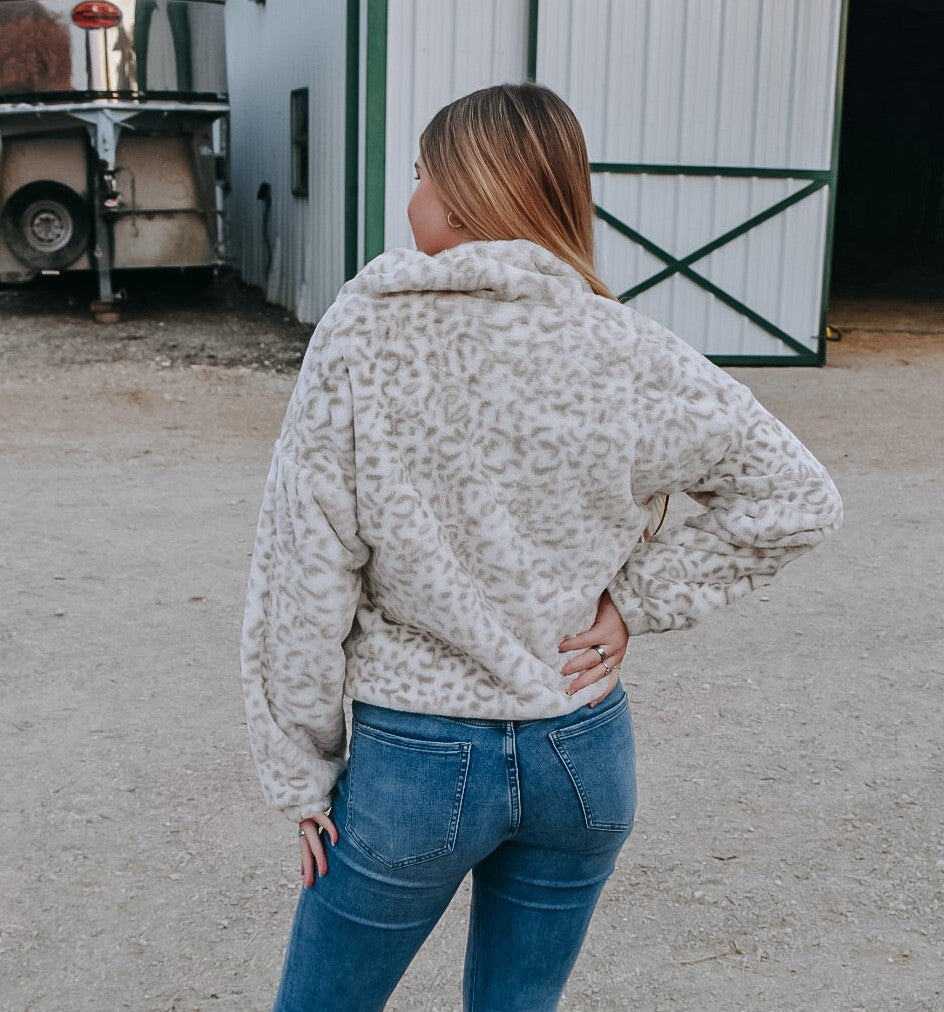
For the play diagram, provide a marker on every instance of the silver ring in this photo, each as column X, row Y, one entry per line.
column 602, row 652
column 301, row 832
column 607, row 668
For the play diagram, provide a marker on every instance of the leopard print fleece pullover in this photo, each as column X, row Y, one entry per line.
column 467, row 461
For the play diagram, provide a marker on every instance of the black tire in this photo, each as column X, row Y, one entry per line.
column 46, row 225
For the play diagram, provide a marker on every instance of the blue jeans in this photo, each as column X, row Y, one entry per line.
column 537, row 810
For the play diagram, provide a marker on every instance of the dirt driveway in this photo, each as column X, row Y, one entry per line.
column 789, row 853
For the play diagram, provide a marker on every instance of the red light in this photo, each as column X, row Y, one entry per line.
column 96, row 14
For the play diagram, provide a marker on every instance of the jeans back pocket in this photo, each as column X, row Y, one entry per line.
column 404, row 795
column 599, row 756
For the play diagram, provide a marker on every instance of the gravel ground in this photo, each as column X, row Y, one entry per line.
column 789, row 851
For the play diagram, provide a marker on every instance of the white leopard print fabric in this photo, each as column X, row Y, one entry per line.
column 464, row 467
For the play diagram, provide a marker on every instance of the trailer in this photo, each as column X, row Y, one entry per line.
column 113, row 137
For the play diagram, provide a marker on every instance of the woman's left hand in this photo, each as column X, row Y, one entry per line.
column 313, row 852
column 608, row 632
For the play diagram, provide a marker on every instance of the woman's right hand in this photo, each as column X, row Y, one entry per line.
column 313, row 851
column 608, row 633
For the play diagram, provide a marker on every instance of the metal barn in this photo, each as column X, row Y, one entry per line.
column 711, row 126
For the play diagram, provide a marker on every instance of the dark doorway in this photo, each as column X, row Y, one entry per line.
column 889, row 231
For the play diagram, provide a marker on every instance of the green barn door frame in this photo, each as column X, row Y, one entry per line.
column 375, row 133
column 374, row 181
column 818, row 178
column 352, row 100
column 674, row 265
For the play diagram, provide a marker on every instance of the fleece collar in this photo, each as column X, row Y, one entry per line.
column 506, row 269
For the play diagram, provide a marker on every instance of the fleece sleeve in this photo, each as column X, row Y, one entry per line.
column 304, row 586
column 767, row 499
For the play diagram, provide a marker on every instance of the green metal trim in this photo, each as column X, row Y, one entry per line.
column 733, row 171
column 807, row 358
column 823, row 177
column 833, row 177
column 375, row 117
column 351, row 122
column 722, row 240
column 682, row 266
column 533, row 40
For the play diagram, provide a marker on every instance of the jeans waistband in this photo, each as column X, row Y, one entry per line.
column 613, row 698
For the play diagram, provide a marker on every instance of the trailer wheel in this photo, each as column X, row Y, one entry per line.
column 45, row 224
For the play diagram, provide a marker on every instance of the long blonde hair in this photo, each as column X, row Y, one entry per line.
column 510, row 162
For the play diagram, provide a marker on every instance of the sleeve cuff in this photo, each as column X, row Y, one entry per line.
column 296, row 813
column 629, row 605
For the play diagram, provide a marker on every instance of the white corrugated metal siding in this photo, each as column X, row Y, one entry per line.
column 705, row 82
column 272, row 50
column 718, row 83
column 438, row 50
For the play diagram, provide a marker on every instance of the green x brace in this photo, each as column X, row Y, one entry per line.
column 683, row 265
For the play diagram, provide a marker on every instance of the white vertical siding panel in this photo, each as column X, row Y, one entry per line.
column 623, row 263
column 438, row 50
column 586, row 30
column 736, row 133
column 554, row 43
column 326, row 64
column 775, row 90
column 700, row 82
column 760, row 246
column 267, row 57
column 408, row 76
column 738, row 87
column 818, row 40
column 509, row 41
column 623, row 74
column 706, row 82
column 244, row 224
column 730, row 267
column 690, row 303
column 660, row 135
column 664, row 33
column 727, row 82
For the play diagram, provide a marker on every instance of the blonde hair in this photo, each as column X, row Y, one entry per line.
column 510, row 162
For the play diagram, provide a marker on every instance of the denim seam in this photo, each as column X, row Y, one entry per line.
column 463, row 750
column 405, row 741
column 460, row 795
column 514, row 781
column 558, row 741
column 591, row 723
column 474, row 938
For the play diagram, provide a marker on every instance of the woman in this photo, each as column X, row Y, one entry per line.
column 479, row 437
